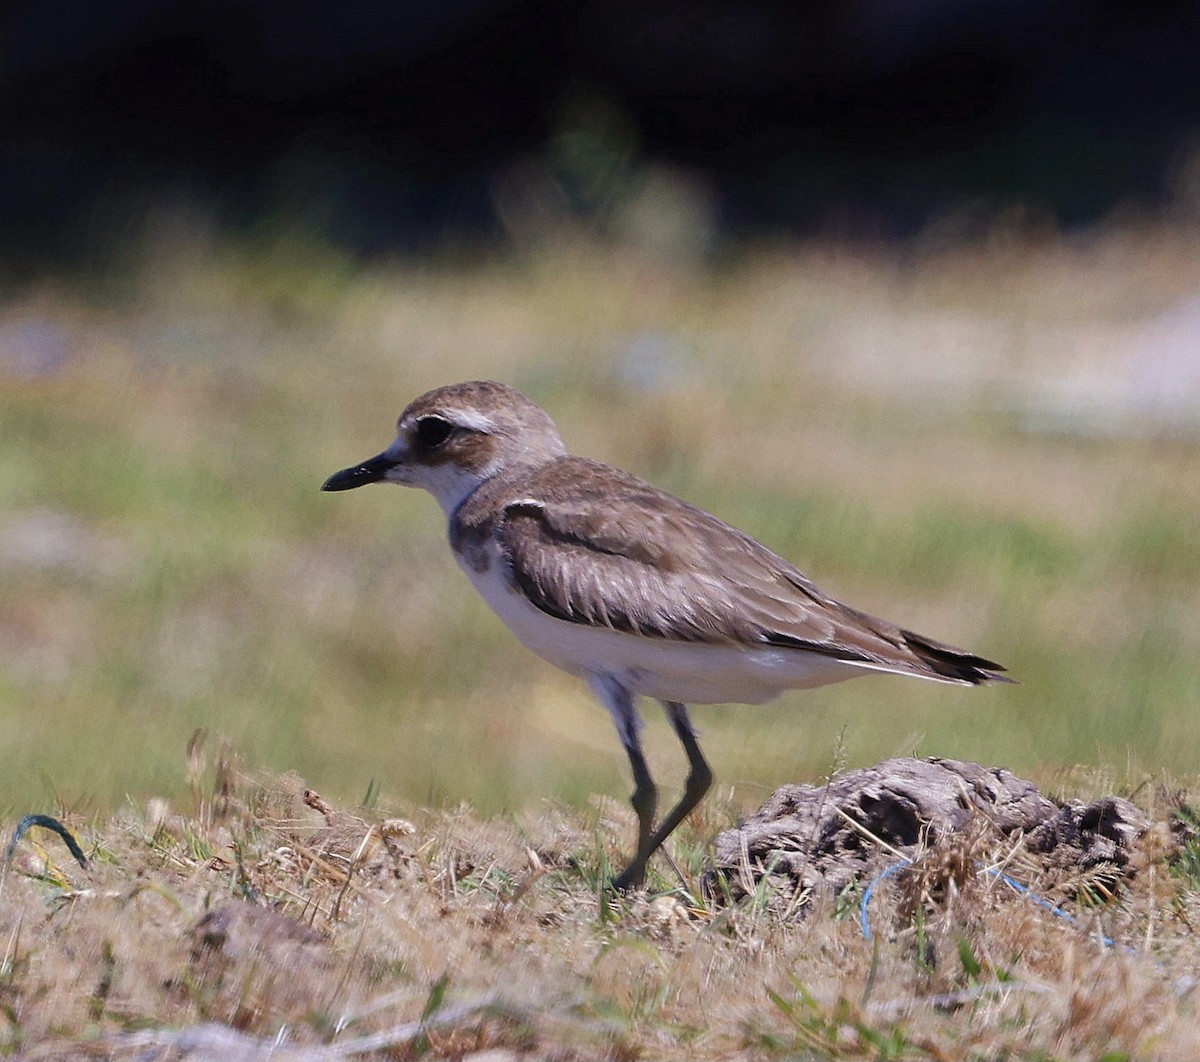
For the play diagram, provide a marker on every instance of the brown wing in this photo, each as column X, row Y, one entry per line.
column 592, row 545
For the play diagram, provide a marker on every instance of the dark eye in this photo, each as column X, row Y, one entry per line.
column 433, row 431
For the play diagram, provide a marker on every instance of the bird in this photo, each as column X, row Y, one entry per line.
column 630, row 588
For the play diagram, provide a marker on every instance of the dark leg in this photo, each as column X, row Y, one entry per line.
column 699, row 779
column 619, row 702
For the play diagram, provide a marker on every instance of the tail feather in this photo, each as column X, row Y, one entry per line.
column 952, row 663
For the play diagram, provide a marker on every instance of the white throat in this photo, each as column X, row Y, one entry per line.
column 448, row 482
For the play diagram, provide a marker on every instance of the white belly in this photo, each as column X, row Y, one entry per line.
column 690, row 672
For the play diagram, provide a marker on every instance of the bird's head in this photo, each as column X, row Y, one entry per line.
column 451, row 439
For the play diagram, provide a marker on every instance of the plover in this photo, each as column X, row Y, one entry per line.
column 628, row 587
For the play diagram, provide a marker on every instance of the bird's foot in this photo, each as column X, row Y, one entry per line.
column 631, row 878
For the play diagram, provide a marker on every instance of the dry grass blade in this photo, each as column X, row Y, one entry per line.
column 228, row 1045
column 859, row 828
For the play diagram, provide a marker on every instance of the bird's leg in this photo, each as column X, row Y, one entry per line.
column 644, row 799
column 699, row 779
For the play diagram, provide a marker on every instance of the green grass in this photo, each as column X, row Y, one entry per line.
column 198, row 578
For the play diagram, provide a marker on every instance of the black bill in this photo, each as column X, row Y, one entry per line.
column 370, row 471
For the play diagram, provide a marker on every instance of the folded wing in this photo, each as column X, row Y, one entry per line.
column 632, row 558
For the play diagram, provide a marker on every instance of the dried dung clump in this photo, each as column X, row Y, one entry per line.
column 810, row 840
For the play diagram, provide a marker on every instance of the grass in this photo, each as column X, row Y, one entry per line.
column 167, row 561
column 927, row 436
column 260, row 920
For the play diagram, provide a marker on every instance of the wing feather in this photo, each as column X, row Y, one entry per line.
column 592, row 545
column 595, row 546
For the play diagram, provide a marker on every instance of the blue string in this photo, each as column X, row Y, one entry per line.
column 865, row 922
column 869, row 891
column 1045, row 904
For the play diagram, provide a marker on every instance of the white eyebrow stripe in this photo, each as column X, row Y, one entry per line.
column 473, row 419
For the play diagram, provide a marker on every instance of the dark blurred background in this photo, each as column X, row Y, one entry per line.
column 401, row 126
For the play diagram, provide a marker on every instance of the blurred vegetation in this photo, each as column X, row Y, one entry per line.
column 946, row 438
